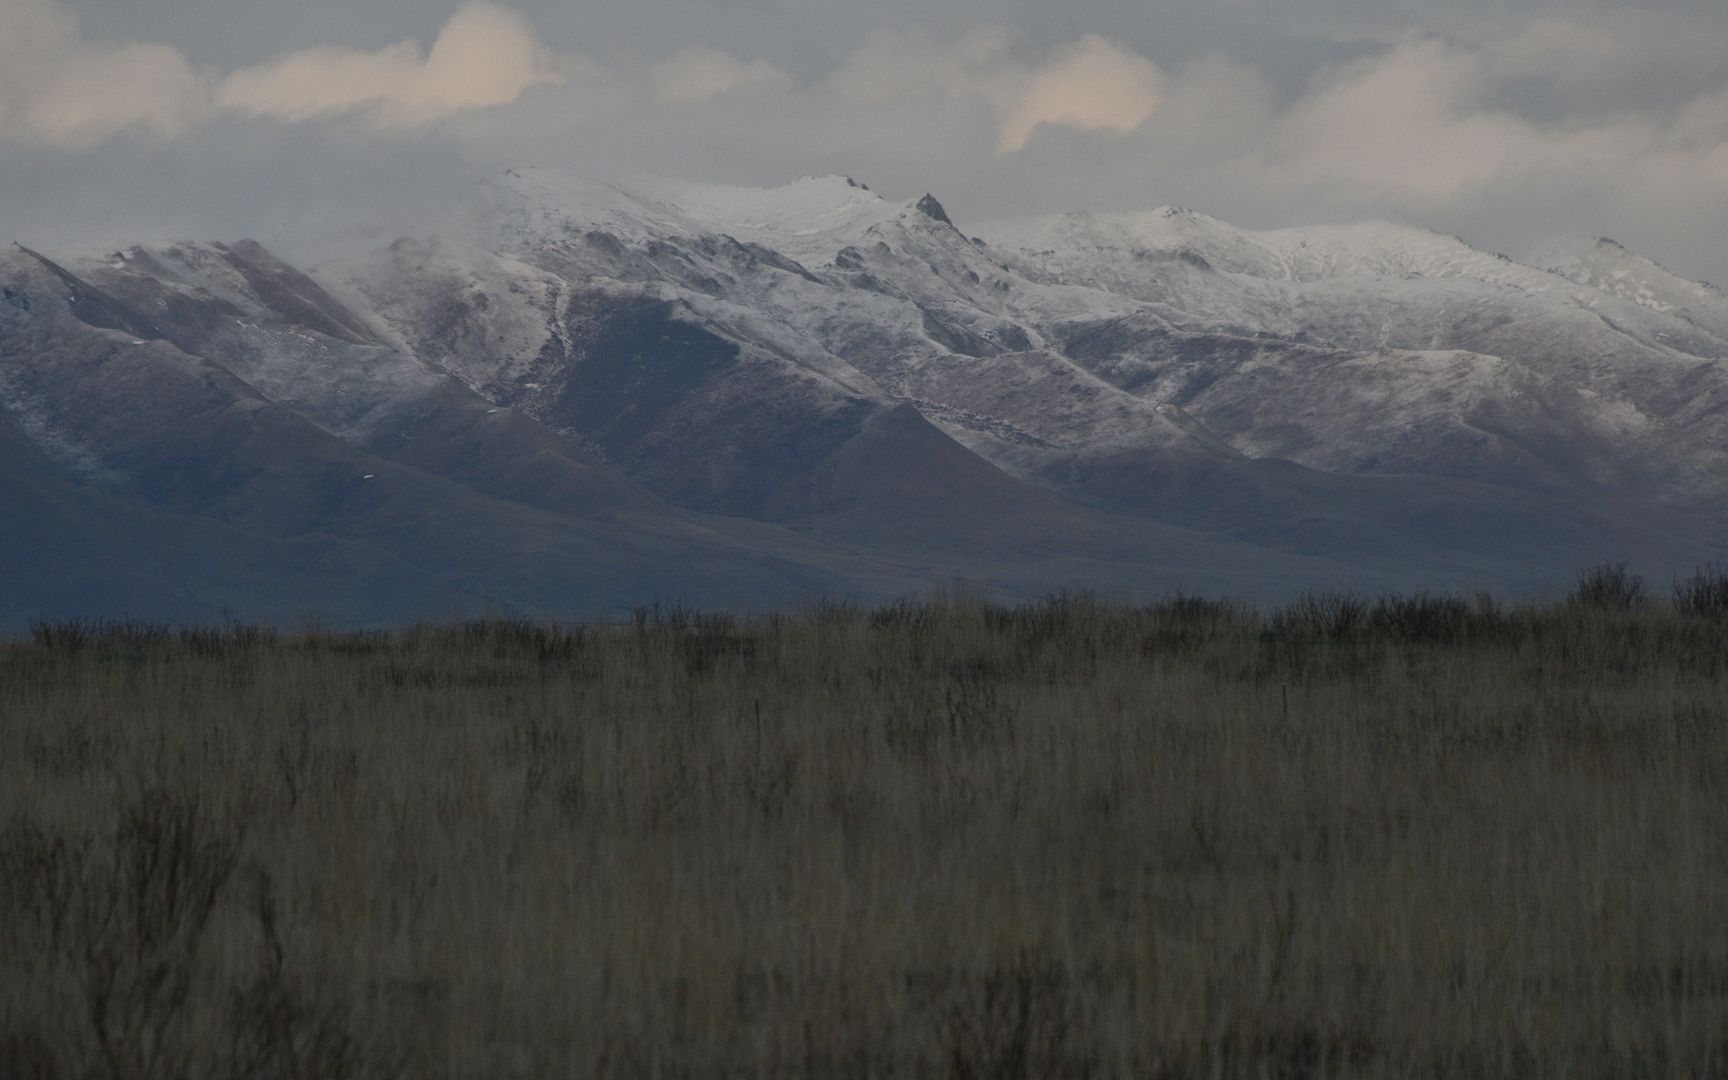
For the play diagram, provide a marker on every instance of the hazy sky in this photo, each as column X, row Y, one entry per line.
column 1505, row 122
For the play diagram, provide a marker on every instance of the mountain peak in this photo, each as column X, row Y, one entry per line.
column 930, row 208
column 832, row 185
column 827, row 180
column 553, row 384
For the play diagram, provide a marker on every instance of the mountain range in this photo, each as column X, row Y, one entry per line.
column 566, row 398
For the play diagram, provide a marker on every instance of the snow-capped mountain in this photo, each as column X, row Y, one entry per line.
column 570, row 394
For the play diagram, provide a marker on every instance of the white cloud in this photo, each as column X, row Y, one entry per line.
column 701, row 74
column 1588, row 122
column 900, row 65
column 1094, row 85
column 1703, row 121
column 486, row 55
column 1213, row 108
column 58, row 88
column 1414, row 127
column 1557, row 49
column 1401, row 123
column 1632, row 48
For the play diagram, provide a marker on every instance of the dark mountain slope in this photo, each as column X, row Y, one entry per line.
column 571, row 398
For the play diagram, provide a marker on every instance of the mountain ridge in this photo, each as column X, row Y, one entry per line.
column 747, row 395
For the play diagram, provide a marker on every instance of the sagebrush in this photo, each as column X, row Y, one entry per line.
column 1418, row 836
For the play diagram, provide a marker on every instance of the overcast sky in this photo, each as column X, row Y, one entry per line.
column 1505, row 122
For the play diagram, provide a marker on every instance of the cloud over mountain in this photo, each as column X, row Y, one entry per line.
column 700, row 74
column 59, row 88
column 1505, row 126
column 1094, row 84
column 486, row 55
column 1419, row 124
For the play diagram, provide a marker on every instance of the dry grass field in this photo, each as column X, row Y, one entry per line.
column 1416, row 837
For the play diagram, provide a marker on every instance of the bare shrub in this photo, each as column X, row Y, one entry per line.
column 1322, row 615
column 61, row 636
column 141, row 924
column 1609, row 587
column 1013, row 1022
column 1410, row 837
column 1429, row 619
column 1704, row 594
column 278, row 1028
column 123, row 919
column 26, row 1055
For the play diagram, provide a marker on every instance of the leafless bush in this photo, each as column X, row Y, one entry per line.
column 121, row 921
column 1429, row 619
column 278, row 1028
column 948, row 837
column 1322, row 615
column 1609, row 587
column 1704, row 594
column 1013, row 1022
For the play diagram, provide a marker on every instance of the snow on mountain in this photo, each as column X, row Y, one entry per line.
column 1608, row 267
column 1294, row 254
column 1143, row 254
column 272, row 326
column 1634, row 380
column 1361, row 349
column 809, row 220
column 801, row 353
column 875, row 298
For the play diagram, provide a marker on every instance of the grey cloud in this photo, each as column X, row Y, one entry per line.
column 58, row 87
column 486, row 55
column 1500, row 122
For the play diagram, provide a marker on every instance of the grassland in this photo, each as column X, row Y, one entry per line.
column 1416, row 838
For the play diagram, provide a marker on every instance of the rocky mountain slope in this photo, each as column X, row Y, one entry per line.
column 567, row 397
